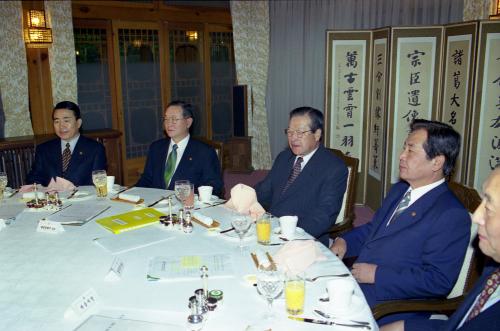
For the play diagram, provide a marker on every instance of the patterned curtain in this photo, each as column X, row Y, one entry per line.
column 62, row 52
column 251, row 49
column 13, row 71
column 478, row 9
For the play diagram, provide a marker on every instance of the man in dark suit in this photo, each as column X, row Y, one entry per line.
column 481, row 308
column 306, row 180
column 180, row 157
column 71, row 155
column 415, row 244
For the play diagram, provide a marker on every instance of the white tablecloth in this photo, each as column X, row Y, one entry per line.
column 42, row 274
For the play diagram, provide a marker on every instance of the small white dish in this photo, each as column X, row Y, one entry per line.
column 354, row 308
column 79, row 196
column 299, row 232
column 117, row 188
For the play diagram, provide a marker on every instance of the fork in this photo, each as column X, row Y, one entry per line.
column 313, row 279
column 325, row 315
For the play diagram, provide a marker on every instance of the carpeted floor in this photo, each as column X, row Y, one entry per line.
column 363, row 213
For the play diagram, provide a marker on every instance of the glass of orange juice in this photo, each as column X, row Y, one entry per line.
column 295, row 291
column 264, row 229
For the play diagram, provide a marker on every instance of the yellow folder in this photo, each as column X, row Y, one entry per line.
column 130, row 220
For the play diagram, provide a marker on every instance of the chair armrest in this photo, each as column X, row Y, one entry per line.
column 446, row 306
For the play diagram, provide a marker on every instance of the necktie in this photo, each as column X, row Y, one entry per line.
column 66, row 156
column 294, row 174
column 489, row 288
column 403, row 204
column 170, row 166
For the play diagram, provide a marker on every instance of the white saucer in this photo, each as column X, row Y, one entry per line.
column 354, row 308
column 213, row 198
column 299, row 232
column 79, row 196
column 116, row 188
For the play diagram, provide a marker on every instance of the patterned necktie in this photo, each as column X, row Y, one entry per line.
column 403, row 204
column 489, row 288
column 66, row 157
column 295, row 173
column 170, row 166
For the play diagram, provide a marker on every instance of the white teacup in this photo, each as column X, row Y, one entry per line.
column 288, row 225
column 110, row 181
column 205, row 193
column 340, row 292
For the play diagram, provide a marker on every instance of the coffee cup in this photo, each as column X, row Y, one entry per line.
column 205, row 193
column 340, row 292
column 288, row 225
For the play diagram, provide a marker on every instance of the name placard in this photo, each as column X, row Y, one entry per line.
column 115, row 271
column 47, row 226
column 83, row 304
column 2, row 224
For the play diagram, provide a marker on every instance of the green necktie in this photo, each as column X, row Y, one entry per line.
column 170, row 166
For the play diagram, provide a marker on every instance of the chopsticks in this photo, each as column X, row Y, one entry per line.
column 270, row 258
column 72, row 194
column 13, row 193
column 255, row 260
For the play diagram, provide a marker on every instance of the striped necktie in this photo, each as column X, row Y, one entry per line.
column 489, row 288
column 170, row 166
column 294, row 174
column 403, row 204
column 66, row 157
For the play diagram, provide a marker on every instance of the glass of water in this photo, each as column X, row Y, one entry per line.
column 99, row 178
column 270, row 285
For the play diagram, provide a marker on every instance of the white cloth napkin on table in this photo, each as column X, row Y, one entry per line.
column 207, row 220
column 129, row 197
column 244, row 201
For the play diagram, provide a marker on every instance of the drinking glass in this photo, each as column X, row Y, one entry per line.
column 184, row 192
column 295, row 293
column 100, row 180
column 241, row 225
column 264, row 229
column 3, row 183
column 270, row 285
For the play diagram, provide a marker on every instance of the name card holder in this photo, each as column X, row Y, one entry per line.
column 115, row 271
column 47, row 226
column 2, row 224
column 85, row 303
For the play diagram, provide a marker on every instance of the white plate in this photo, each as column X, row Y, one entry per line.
column 354, row 308
column 80, row 196
column 299, row 232
column 116, row 188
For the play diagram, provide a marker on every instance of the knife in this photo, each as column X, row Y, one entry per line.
column 316, row 321
column 72, row 194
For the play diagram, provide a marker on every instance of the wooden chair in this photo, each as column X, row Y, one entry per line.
column 346, row 215
column 469, row 272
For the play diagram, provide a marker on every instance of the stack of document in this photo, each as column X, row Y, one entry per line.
column 77, row 214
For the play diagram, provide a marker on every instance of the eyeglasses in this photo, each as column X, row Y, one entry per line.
column 299, row 134
column 173, row 120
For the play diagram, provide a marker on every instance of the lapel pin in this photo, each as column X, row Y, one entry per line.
column 81, row 153
column 190, row 158
column 413, row 214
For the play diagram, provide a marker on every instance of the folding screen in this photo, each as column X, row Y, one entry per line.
column 348, row 62
column 484, row 153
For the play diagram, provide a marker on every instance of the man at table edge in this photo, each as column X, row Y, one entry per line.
column 306, row 180
column 481, row 308
column 85, row 154
column 415, row 244
column 179, row 157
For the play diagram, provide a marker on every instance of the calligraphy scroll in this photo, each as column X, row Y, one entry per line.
column 486, row 131
column 456, row 103
column 346, row 96
column 414, row 86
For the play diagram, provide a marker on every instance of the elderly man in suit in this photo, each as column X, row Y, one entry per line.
column 180, row 157
column 306, row 180
column 71, row 156
column 415, row 244
column 481, row 309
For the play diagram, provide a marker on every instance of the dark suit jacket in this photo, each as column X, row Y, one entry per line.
column 419, row 255
column 315, row 196
column 87, row 156
column 489, row 319
column 199, row 165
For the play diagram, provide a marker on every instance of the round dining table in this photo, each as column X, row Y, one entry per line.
column 70, row 280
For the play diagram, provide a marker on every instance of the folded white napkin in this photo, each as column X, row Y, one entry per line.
column 244, row 201
column 296, row 256
column 129, row 197
column 207, row 220
column 31, row 195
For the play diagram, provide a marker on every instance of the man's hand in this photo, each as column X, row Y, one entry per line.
column 364, row 272
column 339, row 247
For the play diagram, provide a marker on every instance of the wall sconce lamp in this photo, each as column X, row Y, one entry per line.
column 192, row 35
column 36, row 33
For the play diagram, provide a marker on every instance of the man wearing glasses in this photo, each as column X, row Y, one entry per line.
column 306, row 180
column 179, row 157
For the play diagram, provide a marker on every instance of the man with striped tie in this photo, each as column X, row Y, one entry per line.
column 179, row 157
column 415, row 244
column 306, row 180
column 71, row 156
